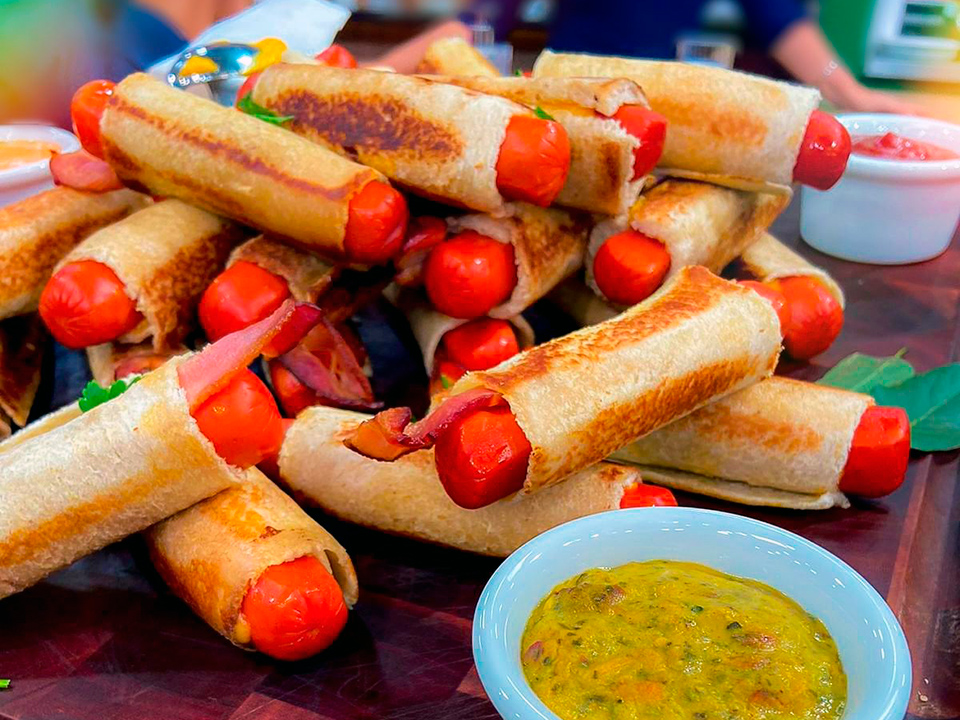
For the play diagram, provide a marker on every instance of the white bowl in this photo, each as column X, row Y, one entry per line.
column 887, row 212
column 871, row 644
column 25, row 180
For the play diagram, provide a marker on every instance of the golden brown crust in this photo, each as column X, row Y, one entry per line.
column 212, row 553
column 22, row 343
column 580, row 397
column 455, row 56
column 179, row 145
column 307, row 275
column 36, row 232
column 166, row 255
column 435, row 139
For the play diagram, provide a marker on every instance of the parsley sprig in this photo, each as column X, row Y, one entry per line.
column 95, row 394
column 542, row 114
column 248, row 106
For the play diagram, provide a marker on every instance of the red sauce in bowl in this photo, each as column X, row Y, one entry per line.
column 895, row 147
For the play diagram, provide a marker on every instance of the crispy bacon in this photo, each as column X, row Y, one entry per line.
column 294, row 329
column 424, row 234
column 390, row 435
column 82, row 171
column 211, row 369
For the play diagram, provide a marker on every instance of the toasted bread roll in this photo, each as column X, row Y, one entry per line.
column 406, row 498
column 726, row 127
column 36, row 232
column 307, row 275
column 212, row 553
column 455, row 56
column 769, row 259
column 114, row 361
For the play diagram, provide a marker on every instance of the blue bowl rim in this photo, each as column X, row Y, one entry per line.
column 895, row 704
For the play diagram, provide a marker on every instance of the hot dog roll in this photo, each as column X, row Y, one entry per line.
column 213, row 553
column 608, row 162
column 780, row 442
column 467, row 149
column 455, row 56
column 769, row 259
column 406, row 497
column 307, row 275
column 97, row 478
column 727, row 127
column 22, row 343
column 674, row 224
column 567, row 404
column 36, row 232
column 110, row 362
column 235, row 165
column 163, row 257
column 521, row 257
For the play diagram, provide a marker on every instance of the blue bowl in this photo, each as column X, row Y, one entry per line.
column 872, row 647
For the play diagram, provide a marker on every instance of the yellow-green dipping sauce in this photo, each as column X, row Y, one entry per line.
column 665, row 640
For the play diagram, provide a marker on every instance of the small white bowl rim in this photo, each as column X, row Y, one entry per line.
column 496, row 670
column 31, row 172
column 870, row 167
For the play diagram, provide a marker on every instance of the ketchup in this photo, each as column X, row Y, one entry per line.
column 894, row 147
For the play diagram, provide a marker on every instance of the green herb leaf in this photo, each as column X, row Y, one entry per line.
column 863, row 373
column 518, row 72
column 445, row 381
column 4, row 684
column 542, row 114
column 248, row 106
column 932, row 402
column 94, row 394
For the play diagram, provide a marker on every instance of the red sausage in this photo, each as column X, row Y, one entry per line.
column 85, row 303
column 294, row 610
column 469, row 275
column 774, row 297
column 376, row 224
column 86, row 109
column 242, row 421
column 650, row 128
column 534, row 160
column 879, row 452
column 643, row 495
column 824, row 152
column 816, row 317
column 480, row 344
column 630, row 266
column 482, row 457
column 241, row 295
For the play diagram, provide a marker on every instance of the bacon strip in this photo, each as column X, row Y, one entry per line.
column 389, row 435
column 325, row 363
column 211, row 369
column 304, row 318
column 425, row 233
column 82, row 171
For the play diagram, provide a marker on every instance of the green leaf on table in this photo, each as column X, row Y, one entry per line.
column 862, row 373
column 4, row 684
column 542, row 114
column 249, row 107
column 932, row 402
column 95, row 394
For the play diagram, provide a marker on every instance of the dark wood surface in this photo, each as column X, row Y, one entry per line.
column 105, row 640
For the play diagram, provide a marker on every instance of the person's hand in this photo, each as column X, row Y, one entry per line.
column 863, row 99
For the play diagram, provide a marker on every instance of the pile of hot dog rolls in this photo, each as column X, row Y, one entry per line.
column 615, row 188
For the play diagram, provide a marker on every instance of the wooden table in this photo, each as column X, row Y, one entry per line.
column 104, row 639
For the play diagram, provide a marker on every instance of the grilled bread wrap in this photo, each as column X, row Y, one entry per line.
column 548, row 246
column 779, row 442
column 22, row 343
column 699, row 224
column 455, row 56
column 88, row 481
column 112, row 361
column 429, row 326
column 307, row 275
column 601, row 151
column 212, row 553
column 769, row 259
column 582, row 396
column 165, row 255
column 179, row 145
column 405, row 497
column 727, row 127
column 434, row 139
column 36, row 232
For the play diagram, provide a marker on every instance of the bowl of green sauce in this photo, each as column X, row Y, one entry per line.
column 686, row 613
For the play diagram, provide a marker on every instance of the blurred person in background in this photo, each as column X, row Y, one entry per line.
column 643, row 28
